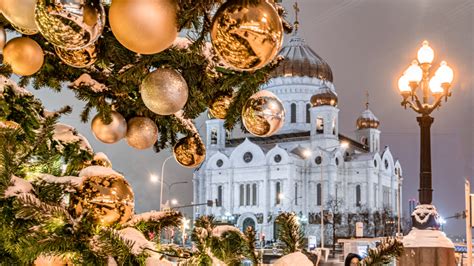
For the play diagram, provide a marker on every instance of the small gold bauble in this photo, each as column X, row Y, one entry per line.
column 21, row 14
column 79, row 58
column 164, row 91
column 144, row 26
column 70, row 24
column 189, row 151
column 50, row 260
column 142, row 133
column 24, row 55
column 220, row 105
column 263, row 114
column 112, row 132
column 246, row 35
column 3, row 38
column 107, row 197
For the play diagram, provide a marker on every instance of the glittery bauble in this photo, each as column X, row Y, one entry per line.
column 142, row 133
column 24, row 55
column 109, row 133
column 164, row 91
column 21, row 14
column 246, row 35
column 50, row 260
column 79, row 58
column 219, row 106
column 109, row 198
column 70, row 24
column 3, row 38
column 144, row 26
column 263, row 114
column 189, row 151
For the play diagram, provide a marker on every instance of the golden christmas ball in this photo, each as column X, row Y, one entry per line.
column 50, row 260
column 144, row 26
column 3, row 38
column 24, row 55
column 189, row 151
column 104, row 194
column 219, row 106
column 112, row 132
column 142, row 133
column 246, row 35
column 79, row 58
column 21, row 14
column 263, row 114
column 164, row 91
column 70, row 24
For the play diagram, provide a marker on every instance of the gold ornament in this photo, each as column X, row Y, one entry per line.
column 24, row 55
column 189, row 151
column 144, row 26
column 142, row 133
column 220, row 105
column 164, row 91
column 70, row 24
column 108, row 197
column 21, row 14
column 3, row 38
column 263, row 114
column 109, row 133
column 79, row 58
column 246, row 35
column 50, row 260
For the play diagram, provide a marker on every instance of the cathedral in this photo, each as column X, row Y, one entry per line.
column 306, row 165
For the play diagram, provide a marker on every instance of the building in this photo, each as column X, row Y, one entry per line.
column 303, row 166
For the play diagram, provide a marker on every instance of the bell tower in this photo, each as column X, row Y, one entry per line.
column 367, row 131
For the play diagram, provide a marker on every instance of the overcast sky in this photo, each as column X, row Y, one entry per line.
column 367, row 43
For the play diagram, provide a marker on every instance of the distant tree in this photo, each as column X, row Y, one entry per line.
column 334, row 206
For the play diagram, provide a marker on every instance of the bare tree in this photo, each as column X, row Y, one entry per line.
column 334, row 206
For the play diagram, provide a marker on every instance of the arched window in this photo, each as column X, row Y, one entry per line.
column 254, row 194
column 247, row 195
column 277, row 193
column 319, row 125
column 318, row 194
column 242, row 195
column 293, row 113
column 296, row 194
column 214, row 136
column 358, row 196
column 219, row 196
column 308, row 113
column 334, row 126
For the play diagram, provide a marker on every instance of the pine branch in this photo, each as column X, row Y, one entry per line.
column 384, row 253
column 290, row 232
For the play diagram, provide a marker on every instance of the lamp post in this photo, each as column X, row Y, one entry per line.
column 423, row 92
column 399, row 204
column 163, row 180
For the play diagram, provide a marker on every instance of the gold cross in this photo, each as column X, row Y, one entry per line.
column 367, row 98
column 297, row 10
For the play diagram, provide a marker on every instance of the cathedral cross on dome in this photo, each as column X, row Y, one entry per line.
column 297, row 11
column 367, row 99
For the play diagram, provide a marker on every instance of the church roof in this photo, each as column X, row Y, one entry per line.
column 367, row 120
column 301, row 60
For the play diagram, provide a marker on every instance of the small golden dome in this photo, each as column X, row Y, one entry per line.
column 324, row 97
column 367, row 120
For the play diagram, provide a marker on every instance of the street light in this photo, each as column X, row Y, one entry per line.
column 185, row 226
column 417, row 87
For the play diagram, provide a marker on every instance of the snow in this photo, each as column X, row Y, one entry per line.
column 100, row 156
column 221, row 229
column 188, row 123
column 19, row 91
column 140, row 243
column 150, row 216
column 423, row 212
column 73, row 180
column 98, row 171
column 18, row 186
column 67, row 134
column 426, row 238
column 296, row 258
column 87, row 80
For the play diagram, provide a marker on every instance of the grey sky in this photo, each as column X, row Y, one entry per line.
column 367, row 43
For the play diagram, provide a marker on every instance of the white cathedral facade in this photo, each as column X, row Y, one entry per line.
column 305, row 164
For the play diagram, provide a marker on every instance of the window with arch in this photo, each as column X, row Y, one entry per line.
column 296, row 194
column 386, row 164
column 319, row 125
column 277, row 193
column 334, row 126
column 254, row 194
column 247, row 195
column 219, row 196
column 293, row 113
column 242, row 195
column 318, row 194
column 214, row 136
column 364, row 141
column 375, row 163
column 308, row 113
column 358, row 196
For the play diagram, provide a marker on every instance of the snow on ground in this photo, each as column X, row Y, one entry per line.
column 296, row 258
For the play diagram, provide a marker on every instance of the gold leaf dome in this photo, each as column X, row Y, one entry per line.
column 325, row 96
column 367, row 120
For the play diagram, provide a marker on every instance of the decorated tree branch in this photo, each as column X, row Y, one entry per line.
column 384, row 253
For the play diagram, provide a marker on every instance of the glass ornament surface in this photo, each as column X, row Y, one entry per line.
column 263, row 114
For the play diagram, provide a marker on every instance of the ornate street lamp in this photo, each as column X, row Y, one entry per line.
column 423, row 92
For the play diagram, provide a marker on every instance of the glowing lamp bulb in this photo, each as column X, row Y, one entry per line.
column 435, row 85
column 445, row 73
column 414, row 73
column 404, row 84
column 425, row 53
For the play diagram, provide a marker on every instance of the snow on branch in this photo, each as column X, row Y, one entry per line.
column 221, row 229
column 66, row 180
column 151, row 216
column 88, row 81
column 18, row 186
column 66, row 134
column 19, row 91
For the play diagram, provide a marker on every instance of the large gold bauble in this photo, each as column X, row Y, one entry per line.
column 79, row 58
column 220, row 105
column 109, row 198
column 70, row 24
column 112, row 132
column 21, row 14
column 189, row 151
column 24, row 55
column 142, row 133
column 164, row 91
column 3, row 38
column 263, row 114
column 144, row 26
column 246, row 35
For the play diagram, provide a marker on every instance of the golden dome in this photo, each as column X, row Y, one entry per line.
column 325, row 96
column 367, row 120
